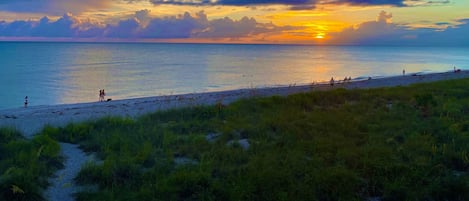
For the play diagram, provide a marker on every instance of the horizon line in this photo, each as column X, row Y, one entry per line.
column 206, row 42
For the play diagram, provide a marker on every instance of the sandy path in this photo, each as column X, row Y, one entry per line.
column 62, row 186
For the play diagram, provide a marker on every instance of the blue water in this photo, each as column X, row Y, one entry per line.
column 55, row 73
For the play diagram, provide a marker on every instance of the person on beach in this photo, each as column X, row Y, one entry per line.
column 102, row 94
column 332, row 81
column 26, row 101
column 403, row 72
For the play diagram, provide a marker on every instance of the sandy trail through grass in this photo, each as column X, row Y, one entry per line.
column 62, row 185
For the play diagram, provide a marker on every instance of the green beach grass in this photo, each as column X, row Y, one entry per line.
column 399, row 143
column 26, row 165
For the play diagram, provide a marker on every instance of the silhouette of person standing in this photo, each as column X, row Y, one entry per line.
column 101, row 95
column 26, row 101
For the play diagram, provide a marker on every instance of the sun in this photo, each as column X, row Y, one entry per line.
column 320, row 35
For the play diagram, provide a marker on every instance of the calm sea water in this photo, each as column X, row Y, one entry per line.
column 55, row 73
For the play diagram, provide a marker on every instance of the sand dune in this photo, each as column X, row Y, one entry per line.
column 32, row 119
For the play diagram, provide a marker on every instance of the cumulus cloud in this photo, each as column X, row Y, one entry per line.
column 227, row 27
column 181, row 26
column 124, row 29
column 67, row 26
column 381, row 31
column 384, row 32
column 53, row 7
column 18, row 28
column 143, row 16
column 64, row 27
column 141, row 26
column 384, row 17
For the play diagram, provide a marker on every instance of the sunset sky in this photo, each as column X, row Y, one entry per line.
column 329, row 22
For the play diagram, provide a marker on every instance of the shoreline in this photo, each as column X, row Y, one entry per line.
column 31, row 120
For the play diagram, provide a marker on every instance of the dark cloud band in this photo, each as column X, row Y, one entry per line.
column 57, row 7
column 295, row 3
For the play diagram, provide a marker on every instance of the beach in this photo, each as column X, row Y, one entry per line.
column 31, row 120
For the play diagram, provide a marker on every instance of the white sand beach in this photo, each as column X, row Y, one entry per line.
column 32, row 119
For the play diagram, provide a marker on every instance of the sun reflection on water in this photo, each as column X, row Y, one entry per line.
column 87, row 75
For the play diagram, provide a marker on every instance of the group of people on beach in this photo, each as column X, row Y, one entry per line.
column 102, row 95
column 344, row 81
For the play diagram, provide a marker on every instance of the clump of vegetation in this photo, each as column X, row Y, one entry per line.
column 26, row 165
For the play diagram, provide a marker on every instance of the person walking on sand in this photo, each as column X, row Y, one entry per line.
column 332, row 81
column 26, row 101
column 104, row 94
column 101, row 95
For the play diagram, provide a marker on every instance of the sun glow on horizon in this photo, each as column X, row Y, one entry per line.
column 320, row 36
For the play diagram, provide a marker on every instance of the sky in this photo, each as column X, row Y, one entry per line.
column 319, row 22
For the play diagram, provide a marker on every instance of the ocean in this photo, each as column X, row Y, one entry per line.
column 57, row 73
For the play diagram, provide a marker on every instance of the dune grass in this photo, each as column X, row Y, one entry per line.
column 26, row 165
column 400, row 143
